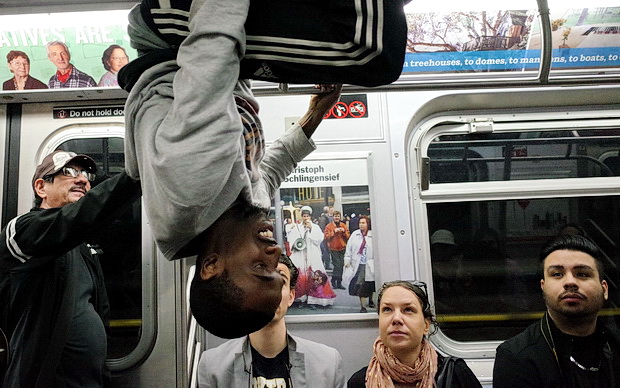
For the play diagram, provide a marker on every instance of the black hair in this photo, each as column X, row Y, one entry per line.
column 218, row 306
column 418, row 291
column 284, row 259
column 573, row 242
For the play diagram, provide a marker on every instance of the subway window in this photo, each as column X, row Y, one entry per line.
column 493, row 199
column 485, row 265
column 119, row 249
column 562, row 153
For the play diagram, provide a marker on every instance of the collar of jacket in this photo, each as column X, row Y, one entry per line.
column 547, row 326
column 295, row 358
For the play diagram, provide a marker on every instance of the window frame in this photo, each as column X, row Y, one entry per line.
column 497, row 121
column 149, row 267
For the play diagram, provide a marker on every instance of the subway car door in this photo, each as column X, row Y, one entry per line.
column 142, row 286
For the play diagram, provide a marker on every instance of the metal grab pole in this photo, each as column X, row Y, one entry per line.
column 545, row 55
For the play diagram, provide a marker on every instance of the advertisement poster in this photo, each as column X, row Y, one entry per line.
column 476, row 38
column 63, row 50
column 583, row 37
column 509, row 39
column 327, row 234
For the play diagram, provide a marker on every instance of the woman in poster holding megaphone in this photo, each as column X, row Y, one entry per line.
column 305, row 240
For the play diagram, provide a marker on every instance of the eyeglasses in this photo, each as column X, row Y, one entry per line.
column 73, row 173
column 118, row 58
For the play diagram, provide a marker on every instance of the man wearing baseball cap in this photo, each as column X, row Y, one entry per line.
column 53, row 303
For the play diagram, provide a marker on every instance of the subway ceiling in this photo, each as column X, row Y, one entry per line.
column 37, row 6
column 46, row 3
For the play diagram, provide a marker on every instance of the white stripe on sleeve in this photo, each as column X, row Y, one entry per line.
column 12, row 244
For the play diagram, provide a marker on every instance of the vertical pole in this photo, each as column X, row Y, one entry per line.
column 11, row 163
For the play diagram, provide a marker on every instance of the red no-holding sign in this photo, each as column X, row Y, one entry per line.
column 340, row 110
column 352, row 106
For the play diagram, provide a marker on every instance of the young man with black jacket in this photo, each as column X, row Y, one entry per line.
column 569, row 346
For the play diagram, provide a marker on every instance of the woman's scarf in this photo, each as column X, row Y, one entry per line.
column 363, row 244
column 385, row 368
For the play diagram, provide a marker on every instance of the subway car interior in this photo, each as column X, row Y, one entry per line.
column 502, row 131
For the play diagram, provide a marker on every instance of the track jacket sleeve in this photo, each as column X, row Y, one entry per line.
column 282, row 157
column 48, row 233
column 184, row 132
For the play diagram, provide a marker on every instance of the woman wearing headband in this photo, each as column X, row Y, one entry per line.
column 402, row 355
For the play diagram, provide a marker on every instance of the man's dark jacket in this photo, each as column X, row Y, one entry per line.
column 39, row 252
column 526, row 360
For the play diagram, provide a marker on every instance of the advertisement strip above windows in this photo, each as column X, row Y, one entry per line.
column 86, row 49
column 63, row 50
column 509, row 39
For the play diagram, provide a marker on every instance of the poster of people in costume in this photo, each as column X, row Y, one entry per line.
column 327, row 232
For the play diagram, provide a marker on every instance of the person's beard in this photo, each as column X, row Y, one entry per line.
column 589, row 306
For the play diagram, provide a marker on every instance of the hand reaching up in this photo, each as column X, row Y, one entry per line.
column 320, row 104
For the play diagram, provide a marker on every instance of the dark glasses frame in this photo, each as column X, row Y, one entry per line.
column 71, row 173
